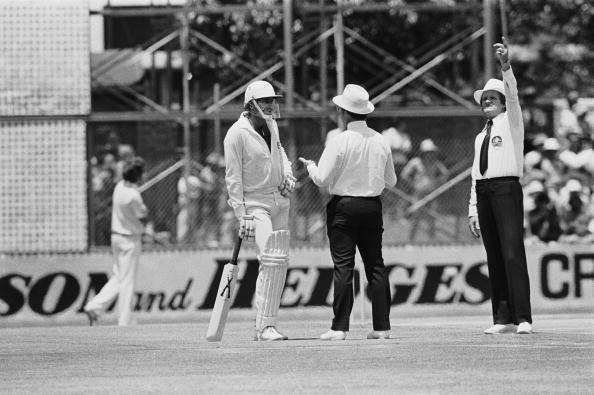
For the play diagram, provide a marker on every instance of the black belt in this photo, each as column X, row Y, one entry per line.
column 497, row 179
column 336, row 197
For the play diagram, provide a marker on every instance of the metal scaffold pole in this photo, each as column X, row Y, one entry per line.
column 489, row 23
column 339, row 44
column 186, row 93
column 217, row 120
column 323, row 71
column 289, row 77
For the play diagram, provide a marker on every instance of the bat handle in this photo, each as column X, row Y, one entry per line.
column 236, row 250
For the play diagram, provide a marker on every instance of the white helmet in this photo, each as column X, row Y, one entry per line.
column 258, row 90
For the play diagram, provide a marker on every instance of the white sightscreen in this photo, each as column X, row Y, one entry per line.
column 44, row 70
column 42, row 186
column 44, row 57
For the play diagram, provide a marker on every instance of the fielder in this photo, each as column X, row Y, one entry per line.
column 127, row 227
column 259, row 179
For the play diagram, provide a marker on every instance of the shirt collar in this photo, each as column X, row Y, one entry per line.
column 245, row 123
column 498, row 117
column 357, row 125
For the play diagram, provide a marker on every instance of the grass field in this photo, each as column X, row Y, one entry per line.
column 426, row 355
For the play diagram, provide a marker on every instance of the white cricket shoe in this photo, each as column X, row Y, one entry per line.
column 524, row 328
column 500, row 328
column 378, row 335
column 92, row 315
column 333, row 335
column 269, row 334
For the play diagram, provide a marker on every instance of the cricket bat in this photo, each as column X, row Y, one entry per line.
column 218, row 317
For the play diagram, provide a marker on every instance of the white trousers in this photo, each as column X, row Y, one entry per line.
column 271, row 214
column 126, row 250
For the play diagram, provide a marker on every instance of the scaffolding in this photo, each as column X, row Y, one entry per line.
column 391, row 73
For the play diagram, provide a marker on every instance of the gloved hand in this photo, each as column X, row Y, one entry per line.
column 287, row 186
column 306, row 162
column 247, row 227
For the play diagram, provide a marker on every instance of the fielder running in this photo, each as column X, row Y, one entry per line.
column 127, row 227
column 259, row 180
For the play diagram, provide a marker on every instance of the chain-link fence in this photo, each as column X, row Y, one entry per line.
column 427, row 206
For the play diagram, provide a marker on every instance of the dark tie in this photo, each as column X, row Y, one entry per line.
column 484, row 161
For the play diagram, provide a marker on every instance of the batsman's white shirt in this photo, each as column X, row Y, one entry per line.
column 253, row 171
column 128, row 209
column 506, row 145
column 357, row 162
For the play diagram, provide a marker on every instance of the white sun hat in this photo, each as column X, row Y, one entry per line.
column 492, row 85
column 258, row 90
column 354, row 99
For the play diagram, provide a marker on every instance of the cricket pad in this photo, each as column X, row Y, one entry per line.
column 271, row 278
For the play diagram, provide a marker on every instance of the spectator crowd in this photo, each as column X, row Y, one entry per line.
column 558, row 180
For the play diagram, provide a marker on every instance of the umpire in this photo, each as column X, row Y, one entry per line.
column 496, row 204
column 355, row 166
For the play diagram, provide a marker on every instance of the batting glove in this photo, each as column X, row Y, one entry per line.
column 287, row 186
column 247, row 228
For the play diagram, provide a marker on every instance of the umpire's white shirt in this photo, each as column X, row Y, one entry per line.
column 356, row 162
column 128, row 209
column 506, row 145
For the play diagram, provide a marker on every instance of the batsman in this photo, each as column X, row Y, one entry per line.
column 259, row 181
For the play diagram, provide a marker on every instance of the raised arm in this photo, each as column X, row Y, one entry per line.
column 512, row 101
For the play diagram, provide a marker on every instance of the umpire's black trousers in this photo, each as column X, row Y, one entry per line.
column 357, row 222
column 501, row 216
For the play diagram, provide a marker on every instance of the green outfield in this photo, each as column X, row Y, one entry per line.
column 426, row 355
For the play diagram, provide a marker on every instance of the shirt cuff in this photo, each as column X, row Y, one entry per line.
column 238, row 209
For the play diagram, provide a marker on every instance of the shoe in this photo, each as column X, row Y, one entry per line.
column 333, row 335
column 269, row 334
column 500, row 328
column 378, row 335
column 92, row 316
column 524, row 328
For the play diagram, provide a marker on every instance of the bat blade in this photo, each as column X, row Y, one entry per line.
column 223, row 302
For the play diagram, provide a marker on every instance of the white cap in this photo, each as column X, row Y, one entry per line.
column 492, row 85
column 551, row 144
column 258, row 90
column 397, row 140
column 354, row 99
column 427, row 145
